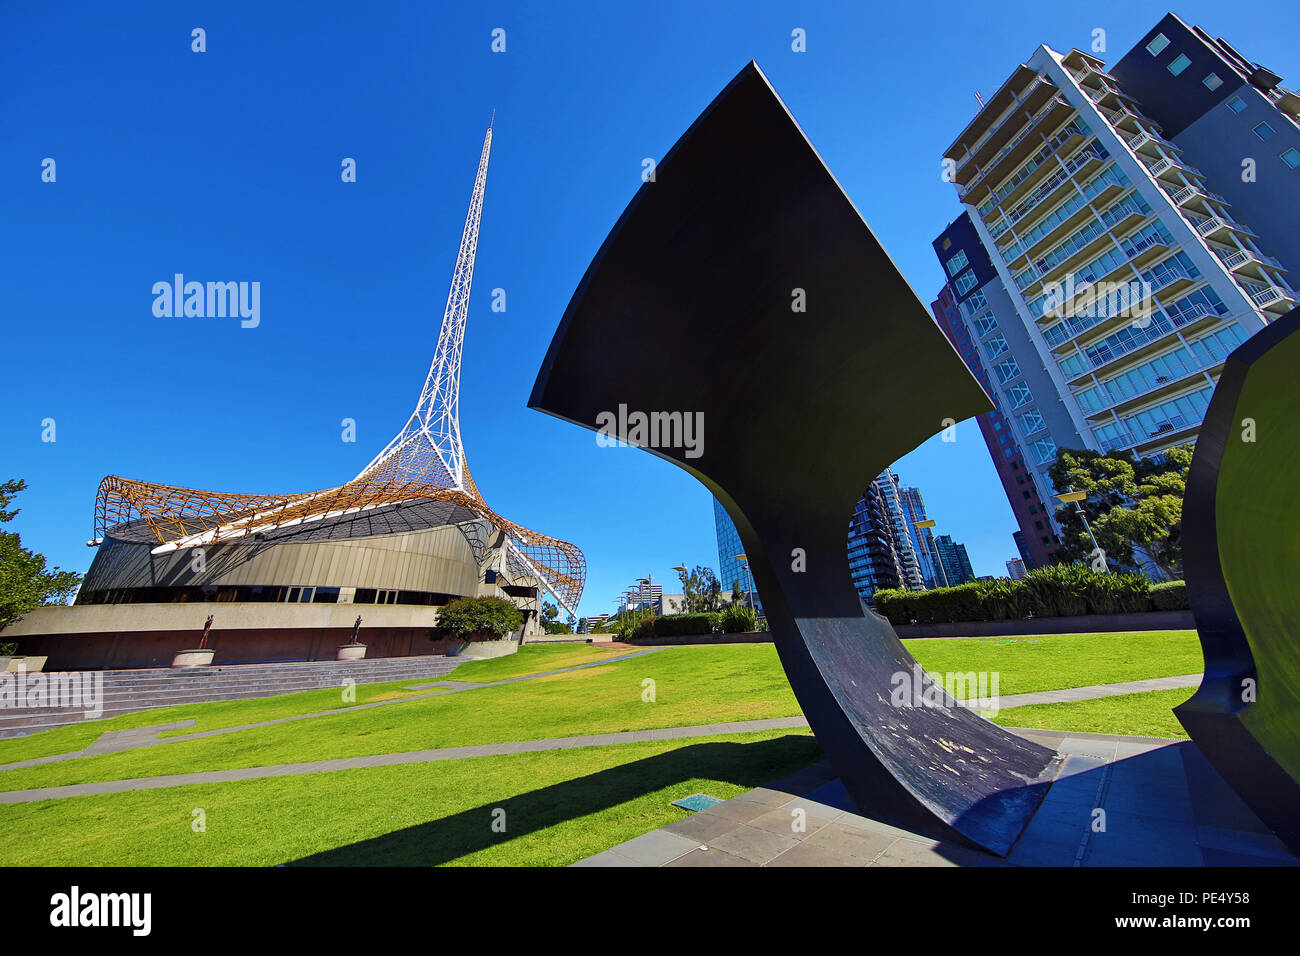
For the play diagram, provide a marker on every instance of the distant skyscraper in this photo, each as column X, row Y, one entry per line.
column 1015, row 569
column 922, row 540
column 954, row 559
column 731, row 570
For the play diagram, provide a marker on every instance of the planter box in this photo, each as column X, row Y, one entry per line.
column 29, row 664
column 195, row 657
column 351, row 652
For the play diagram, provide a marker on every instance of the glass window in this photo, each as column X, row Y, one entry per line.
column 1031, row 422
column 996, row 346
column 1212, row 82
column 1263, row 131
column 1007, row 370
column 965, row 282
column 1236, row 104
column 1291, row 157
column 957, row 263
column 1179, row 63
column 1157, row 44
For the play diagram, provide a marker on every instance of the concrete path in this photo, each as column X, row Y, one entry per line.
column 1118, row 801
column 1095, row 691
column 389, row 760
column 117, row 740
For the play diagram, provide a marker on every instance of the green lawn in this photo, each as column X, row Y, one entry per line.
column 534, row 659
column 560, row 807
column 209, row 716
column 692, row 685
column 1148, row 714
column 1057, row 661
column 233, row 713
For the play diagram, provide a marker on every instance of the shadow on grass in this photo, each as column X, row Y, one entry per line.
column 449, row 838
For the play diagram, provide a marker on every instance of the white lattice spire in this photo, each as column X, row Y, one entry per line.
column 429, row 448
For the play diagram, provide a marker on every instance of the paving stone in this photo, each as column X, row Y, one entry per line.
column 710, row 857
column 702, row 827
column 782, row 821
column 607, row 858
column 750, row 843
column 864, row 844
column 817, row 855
column 656, row 847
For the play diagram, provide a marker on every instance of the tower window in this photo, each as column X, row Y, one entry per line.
column 1212, row 82
column 1156, row 45
column 1179, row 63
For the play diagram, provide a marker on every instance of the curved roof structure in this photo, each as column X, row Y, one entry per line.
column 425, row 462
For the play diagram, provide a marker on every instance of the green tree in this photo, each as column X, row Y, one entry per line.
column 25, row 583
column 701, row 590
column 480, row 618
column 1132, row 502
column 549, row 611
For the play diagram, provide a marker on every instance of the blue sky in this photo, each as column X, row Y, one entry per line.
column 224, row 165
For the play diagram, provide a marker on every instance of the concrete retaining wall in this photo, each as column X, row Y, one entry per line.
column 1081, row 624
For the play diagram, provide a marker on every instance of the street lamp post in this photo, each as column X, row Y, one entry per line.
column 681, row 573
column 1077, row 497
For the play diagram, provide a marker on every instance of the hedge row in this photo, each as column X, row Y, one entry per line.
column 732, row 619
column 1061, row 590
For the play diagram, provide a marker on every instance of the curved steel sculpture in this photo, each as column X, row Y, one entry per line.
column 692, row 305
column 1241, row 552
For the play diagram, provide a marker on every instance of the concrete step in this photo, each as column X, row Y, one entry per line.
column 127, row 692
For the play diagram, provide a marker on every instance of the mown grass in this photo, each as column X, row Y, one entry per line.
column 691, row 685
column 208, row 716
column 1148, row 714
column 534, row 659
column 1058, row 661
column 559, row 807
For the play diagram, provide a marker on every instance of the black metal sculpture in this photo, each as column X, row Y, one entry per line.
column 1241, row 552
column 742, row 285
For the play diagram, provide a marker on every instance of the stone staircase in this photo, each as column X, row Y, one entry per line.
column 126, row 691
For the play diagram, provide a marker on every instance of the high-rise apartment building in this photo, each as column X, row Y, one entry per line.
column 922, row 538
column 882, row 548
column 1022, row 432
column 1120, row 277
column 1232, row 119
column 956, row 564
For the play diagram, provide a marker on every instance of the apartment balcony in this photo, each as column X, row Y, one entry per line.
column 1145, row 145
column 1271, row 298
column 1187, row 197
column 987, row 148
column 1034, row 248
column 1017, row 150
column 1170, row 432
column 1169, row 170
column 1247, row 261
column 1059, row 265
column 1216, row 227
column 1170, row 280
column 1123, row 216
column 1144, row 251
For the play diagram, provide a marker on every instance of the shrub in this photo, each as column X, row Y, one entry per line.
column 646, row 627
column 680, row 625
column 738, row 619
column 1170, row 596
column 480, row 618
column 1057, row 590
